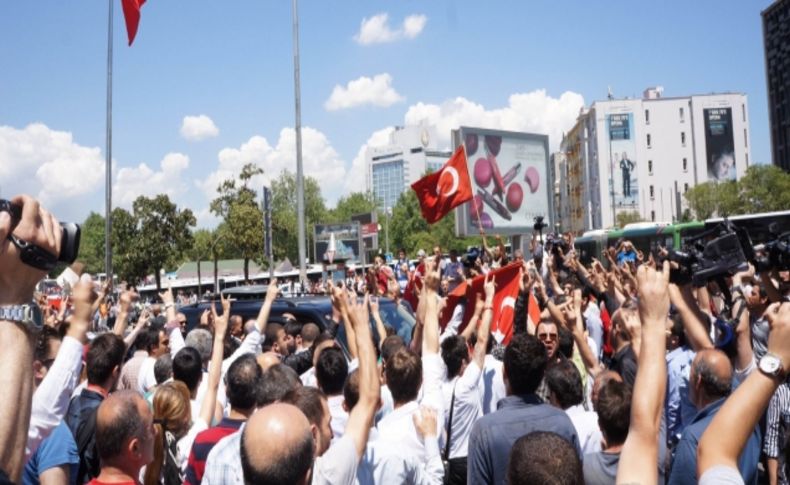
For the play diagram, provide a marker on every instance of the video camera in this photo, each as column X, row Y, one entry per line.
column 701, row 262
column 775, row 254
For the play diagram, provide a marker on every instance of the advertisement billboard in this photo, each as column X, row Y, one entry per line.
column 719, row 143
column 623, row 183
column 346, row 238
column 510, row 179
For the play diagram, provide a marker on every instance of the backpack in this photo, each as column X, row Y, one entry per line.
column 82, row 423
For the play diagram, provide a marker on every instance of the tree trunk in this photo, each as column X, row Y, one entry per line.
column 246, row 270
column 158, row 281
column 199, row 287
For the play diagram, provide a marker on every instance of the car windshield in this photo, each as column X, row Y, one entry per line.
column 393, row 316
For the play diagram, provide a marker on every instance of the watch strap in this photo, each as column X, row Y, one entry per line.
column 19, row 313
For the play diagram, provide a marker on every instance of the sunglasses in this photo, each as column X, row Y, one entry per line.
column 551, row 337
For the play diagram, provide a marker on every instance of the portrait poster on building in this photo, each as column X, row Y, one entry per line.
column 719, row 143
column 623, row 183
column 510, row 179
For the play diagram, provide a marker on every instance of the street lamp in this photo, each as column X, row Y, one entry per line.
column 210, row 250
column 387, row 234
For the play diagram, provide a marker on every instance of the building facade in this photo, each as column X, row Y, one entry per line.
column 776, row 41
column 642, row 155
column 392, row 168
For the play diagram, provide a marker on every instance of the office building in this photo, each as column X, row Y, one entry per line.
column 776, row 41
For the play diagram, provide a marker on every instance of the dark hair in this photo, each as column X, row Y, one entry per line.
column 148, row 339
column 276, row 382
column 454, row 353
column 404, row 375
column 291, row 467
column 163, row 368
column 309, row 332
column 46, row 335
column 390, row 345
column 525, row 363
column 351, row 390
column 544, row 458
column 565, row 342
column 188, row 367
column 112, row 436
column 293, row 328
column 272, row 330
column 242, row 382
column 331, row 371
column 309, row 400
column 677, row 329
column 229, row 346
column 614, row 411
column 105, row 353
column 565, row 382
column 712, row 384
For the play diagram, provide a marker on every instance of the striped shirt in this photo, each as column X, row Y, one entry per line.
column 202, row 446
column 778, row 422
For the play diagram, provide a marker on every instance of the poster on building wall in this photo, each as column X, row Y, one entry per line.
column 623, row 183
column 719, row 143
column 338, row 242
column 511, row 181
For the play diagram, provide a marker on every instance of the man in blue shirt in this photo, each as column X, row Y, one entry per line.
column 710, row 383
column 57, row 456
column 680, row 411
column 520, row 413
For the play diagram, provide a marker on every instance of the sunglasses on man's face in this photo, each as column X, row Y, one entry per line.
column 551, row 337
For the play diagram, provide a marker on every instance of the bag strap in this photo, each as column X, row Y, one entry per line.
column 446, row 453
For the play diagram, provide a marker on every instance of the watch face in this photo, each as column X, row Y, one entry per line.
column 770, row 364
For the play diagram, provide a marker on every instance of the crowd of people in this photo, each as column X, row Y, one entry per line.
column 612, row 374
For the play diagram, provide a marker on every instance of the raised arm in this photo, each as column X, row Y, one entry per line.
column 573, row 322
column 693, row 321
column 725, row 437
column 121, row 320
column 639, row 456
column 173, row 328
column 142, row 323
column 484, row 327
column 360, row 419
column 209, row 403
column 430, row 338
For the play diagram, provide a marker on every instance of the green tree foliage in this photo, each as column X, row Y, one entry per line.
column 764, row 188
column 628, row 217
column 284, row 227
column 237, row 205
column 703, row 200
column 409, row 230
column 92, row 244
column 351, row 205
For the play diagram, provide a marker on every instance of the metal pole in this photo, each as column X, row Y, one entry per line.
column 388, row 230
column 298, row 126
column 108, row 152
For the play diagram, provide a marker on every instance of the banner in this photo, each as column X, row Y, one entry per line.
column 719, row 143
column 623, row 182
column 347, row 241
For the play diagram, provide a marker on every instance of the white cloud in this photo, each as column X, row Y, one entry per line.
column 196, row 128
column 47, row 164
column 320, row 161
column 132, row 182
column 377, row 91
column 376, row 29
column 356, row 183
column 534, row 112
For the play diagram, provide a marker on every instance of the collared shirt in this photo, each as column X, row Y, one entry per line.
column 684, row 467
column 493, row 384
column 494, row 435
column 59, row 449
column 51, row 398
column 223, row 464
column 586, row 425
column 204, row 443
column 592, row 316
column 385, row 464
column 466, row 409
column 339, row 416
column 131, row 371
column 778, row 422
column 680, row 411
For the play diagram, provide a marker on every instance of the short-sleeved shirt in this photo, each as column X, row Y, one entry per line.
column 338, row 466
column 466, row 410
column 57, row 450
column 721, row 475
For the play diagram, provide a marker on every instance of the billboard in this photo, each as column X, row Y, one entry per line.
column 719, row 143
column 347, row 239
column 623, row 183
column 510, row 181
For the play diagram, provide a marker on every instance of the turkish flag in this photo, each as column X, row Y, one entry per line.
column 442, row 191
column 455, row 297
column 507, row 288
column 414, row 287
column 131, row 13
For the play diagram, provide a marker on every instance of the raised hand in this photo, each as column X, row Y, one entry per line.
column 272, row 290
column 489, row 287
column 221, row 321
column 167, row 296
column 432, row 278
column 778, row 316
column 653, row 289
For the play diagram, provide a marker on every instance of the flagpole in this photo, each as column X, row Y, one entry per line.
column 299, row 170
column 108, row 153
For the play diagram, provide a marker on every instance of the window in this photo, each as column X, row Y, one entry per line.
column 653, row 216
column 647, row 116
column 650, row 167
column 743, row 112
column 745, row 139
column 685, row 188
column 682, row 115
column 683, row 138
column 648, row 140
column 652, row 192
column 747, row 159
column 685, row 165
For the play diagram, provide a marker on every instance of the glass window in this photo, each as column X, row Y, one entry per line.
column 683, row 138
column 387, row 182
column 682, row 115
column 648, row 140
column 685, row 164
column 652, row 191
column 647, row 116
column 650, row 166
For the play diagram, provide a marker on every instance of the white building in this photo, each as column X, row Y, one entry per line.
column 392, row 168
column 643, row 154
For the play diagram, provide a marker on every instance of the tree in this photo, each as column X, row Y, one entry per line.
column 284, row 228
column 702, row 200
column 201, row 246
column 127, row 262
column 628, row 217
column 764, row 188
column 351, row 205
column 92, row 243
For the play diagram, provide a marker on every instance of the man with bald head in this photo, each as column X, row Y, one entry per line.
column 710, row 382
column 124, row 437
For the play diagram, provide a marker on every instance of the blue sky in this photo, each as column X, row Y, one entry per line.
column 515, row 65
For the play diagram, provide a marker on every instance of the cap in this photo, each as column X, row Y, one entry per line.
column 421, row 253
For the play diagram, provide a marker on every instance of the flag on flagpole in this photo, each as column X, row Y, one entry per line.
column 455, row 297
column 442, row 191
column 507, row 288
column 131, row 13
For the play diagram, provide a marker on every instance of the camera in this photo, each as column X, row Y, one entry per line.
column 775, row 254
column 470, row 258
column 721, row 256
column 33, row 255
column 539, row 224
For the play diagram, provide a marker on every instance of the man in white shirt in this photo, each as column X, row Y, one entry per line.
column 566, row 392
column 331, row 371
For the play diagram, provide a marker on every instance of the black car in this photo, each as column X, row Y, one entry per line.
column 246, row 302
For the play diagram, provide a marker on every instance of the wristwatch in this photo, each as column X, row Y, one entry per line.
column 771, row 365
column 27, row 314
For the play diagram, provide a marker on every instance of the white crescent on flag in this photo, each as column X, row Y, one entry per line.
column 456, row 180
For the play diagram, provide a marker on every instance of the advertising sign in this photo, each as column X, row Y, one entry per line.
column 510, row 181
column 335, row 242
column 719, row 143
column 623, row 183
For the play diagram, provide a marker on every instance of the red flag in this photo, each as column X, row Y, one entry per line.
column 507, row 288
column 453, row 298
column 442, row 191
column 413, row 288
column 131, row 12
